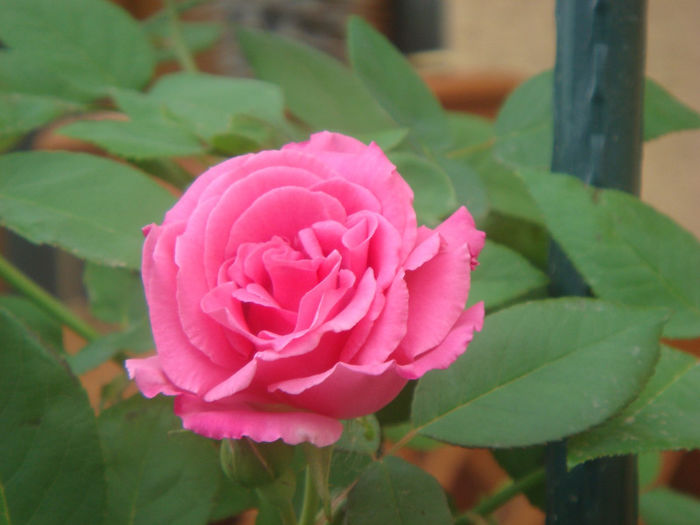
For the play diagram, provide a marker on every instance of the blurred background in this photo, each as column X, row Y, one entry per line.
column 472, row 53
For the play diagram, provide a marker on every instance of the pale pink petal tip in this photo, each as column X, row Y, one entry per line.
column 454, row 345
column 236, row 420
column 149, row 377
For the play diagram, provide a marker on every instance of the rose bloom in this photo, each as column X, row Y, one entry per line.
column 290, row 289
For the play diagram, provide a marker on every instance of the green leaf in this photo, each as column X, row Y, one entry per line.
column 398, row 432
column 84, row 45
column 625, row 250
column 399, row 410
column 393, row 492
column 248, row 134
column 115, row 294
column 503, row 276
column 665, row 415
column 473, row 139
column 530, row 240
column 468, row 186
column 231, row 499
column 396, row 86
column 663, row 113
column 41, row 325
column 524, row 123
column 167, row 170
column 386, row 139
column 93, row 207
column 666, row 507
column 138, row 105
column 136, row 139
column 346, row 467
column 136, row 338
column 233, row 144
column 317, row 88
column 434, row 196
column 361, row 434
column 505, row 191
column 155, row 473
column 197, row 36
column 540, row 371
column 468, row 131
column 21, row 72
column 51, row 469
column 21, row 113
column 208, row 103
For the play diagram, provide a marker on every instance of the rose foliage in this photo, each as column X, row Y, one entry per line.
column 294, row 292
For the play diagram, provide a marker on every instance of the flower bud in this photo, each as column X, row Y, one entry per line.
column 255, row 464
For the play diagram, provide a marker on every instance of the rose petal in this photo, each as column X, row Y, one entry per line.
column 247, row 266
column 202, row 331
column 186, row 366
column 459, row 228
column 221, row 305
column 388, row 330
column 318, row 353
column 232, row 201
column 423, row 252
column 437, row 291
column 353, row 197
column 226, row 172
column 345, row 391
column 454, row 345
column 290, row 277
column 220, row 178
column 239, row 381
column 149, row 377
column 358, row 306
column 326, row 293
column 385, row 249
column 324, row 236
column 234, row 419
column 367, row 166
column 283, row 212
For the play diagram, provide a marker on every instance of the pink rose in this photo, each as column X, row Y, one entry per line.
column 290, row 289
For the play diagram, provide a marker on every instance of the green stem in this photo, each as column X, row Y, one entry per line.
column 182, row 52
column 503, row 496
column 311, row 499
column 23, row 284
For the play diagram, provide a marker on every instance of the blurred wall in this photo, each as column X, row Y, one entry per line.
column 515, row 36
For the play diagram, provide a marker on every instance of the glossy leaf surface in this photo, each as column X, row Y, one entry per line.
column 540, row 371
column 664, row 417
column 51, row 469
column 90, row 206
column 625, row 250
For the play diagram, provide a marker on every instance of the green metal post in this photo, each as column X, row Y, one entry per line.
column 598, row 99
